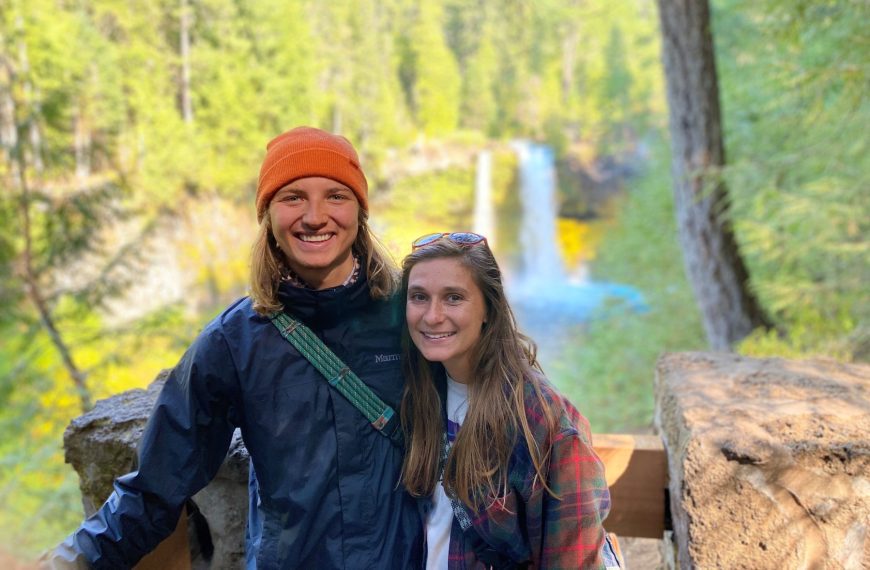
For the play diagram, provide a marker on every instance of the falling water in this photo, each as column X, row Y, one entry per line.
column 540, row 290
column 541, row 261
column 484, row 216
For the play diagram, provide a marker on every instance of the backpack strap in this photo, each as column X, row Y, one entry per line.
column 380, row 415
column 483, row 552
column 459, row 512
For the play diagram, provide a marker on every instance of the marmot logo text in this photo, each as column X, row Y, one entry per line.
column 387, row 358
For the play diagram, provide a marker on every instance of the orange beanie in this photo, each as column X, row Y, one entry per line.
column 306, row 151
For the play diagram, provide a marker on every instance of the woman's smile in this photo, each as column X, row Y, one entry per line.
column 437, row 336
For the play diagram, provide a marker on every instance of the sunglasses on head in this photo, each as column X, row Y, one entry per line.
column 460, row 238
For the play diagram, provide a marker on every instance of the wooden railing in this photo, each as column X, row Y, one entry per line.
column 171, row 554
column 636, row 467
column 637, row 474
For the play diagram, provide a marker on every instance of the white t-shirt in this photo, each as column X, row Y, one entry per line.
column 440, row 518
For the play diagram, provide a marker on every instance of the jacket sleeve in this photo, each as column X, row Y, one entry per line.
column 183, row 446
column 573, row 533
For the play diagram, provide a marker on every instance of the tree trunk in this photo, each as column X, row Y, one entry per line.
column 34, row 293
column 82, row 143
column 184, row 47
column 720, row 280
column 8, row 126
column 569, row 62
column 31, row 99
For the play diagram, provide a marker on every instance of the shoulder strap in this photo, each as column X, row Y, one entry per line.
column 381, row 416
column 490, row 557
column 459, row 512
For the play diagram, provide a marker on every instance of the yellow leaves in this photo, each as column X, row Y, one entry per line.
column 63, row 404
column 578, row 240
column 139, row 368
column 215, row 241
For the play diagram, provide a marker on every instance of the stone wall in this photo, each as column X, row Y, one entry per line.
column 769, row 461
column 101, row 445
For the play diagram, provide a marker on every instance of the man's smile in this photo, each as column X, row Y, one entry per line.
column 314, row 238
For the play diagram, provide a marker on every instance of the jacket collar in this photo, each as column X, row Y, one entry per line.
column 324, row 307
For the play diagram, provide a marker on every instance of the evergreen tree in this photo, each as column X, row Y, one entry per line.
column 437, row 85
column 479, row 106
column 796, row 107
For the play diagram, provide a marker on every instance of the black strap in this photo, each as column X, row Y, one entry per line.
column 483, row 552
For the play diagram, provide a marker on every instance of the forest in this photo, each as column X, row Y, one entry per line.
column 132, row 133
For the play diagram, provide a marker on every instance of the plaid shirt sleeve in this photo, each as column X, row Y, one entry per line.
column 572, row 529
column 552, row 533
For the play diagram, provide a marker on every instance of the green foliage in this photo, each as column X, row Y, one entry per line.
column 39, row 497
column 102, row 85
column 33, row 477
column 423, row 204
column 616, row 89
column 610, row 374
column 436, row 94
column 9, row 296
column 479, row 106
column 796, row 108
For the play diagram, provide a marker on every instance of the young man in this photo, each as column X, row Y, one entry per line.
column 324, row 483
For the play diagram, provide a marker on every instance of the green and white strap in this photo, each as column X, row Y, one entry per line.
column 339, row 376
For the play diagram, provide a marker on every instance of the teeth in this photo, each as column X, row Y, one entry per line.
column 318, row 237
column 437, row 336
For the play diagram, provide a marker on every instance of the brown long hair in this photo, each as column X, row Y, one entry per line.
column 267, row 265
column 504, row 368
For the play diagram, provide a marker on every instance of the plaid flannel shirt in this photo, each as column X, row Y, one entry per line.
column 531, row 525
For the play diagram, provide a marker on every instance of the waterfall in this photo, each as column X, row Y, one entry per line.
column 541, row 260
column 484, row 216
column 540, row 290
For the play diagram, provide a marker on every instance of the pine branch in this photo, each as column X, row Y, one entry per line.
column 14, row 153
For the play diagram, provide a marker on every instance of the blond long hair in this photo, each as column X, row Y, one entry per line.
column 268, row 265
column 504, row 368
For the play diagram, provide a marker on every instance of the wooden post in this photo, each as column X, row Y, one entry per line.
column 636, row 468
column 171, row 554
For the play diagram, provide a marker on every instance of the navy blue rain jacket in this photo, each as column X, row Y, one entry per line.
column 326, row 492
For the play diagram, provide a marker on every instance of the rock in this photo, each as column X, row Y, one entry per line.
column 769, row 463
column 769, row 460
column 224, row 503
column 101, row 445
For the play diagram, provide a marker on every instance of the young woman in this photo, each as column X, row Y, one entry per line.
column 502, row 464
